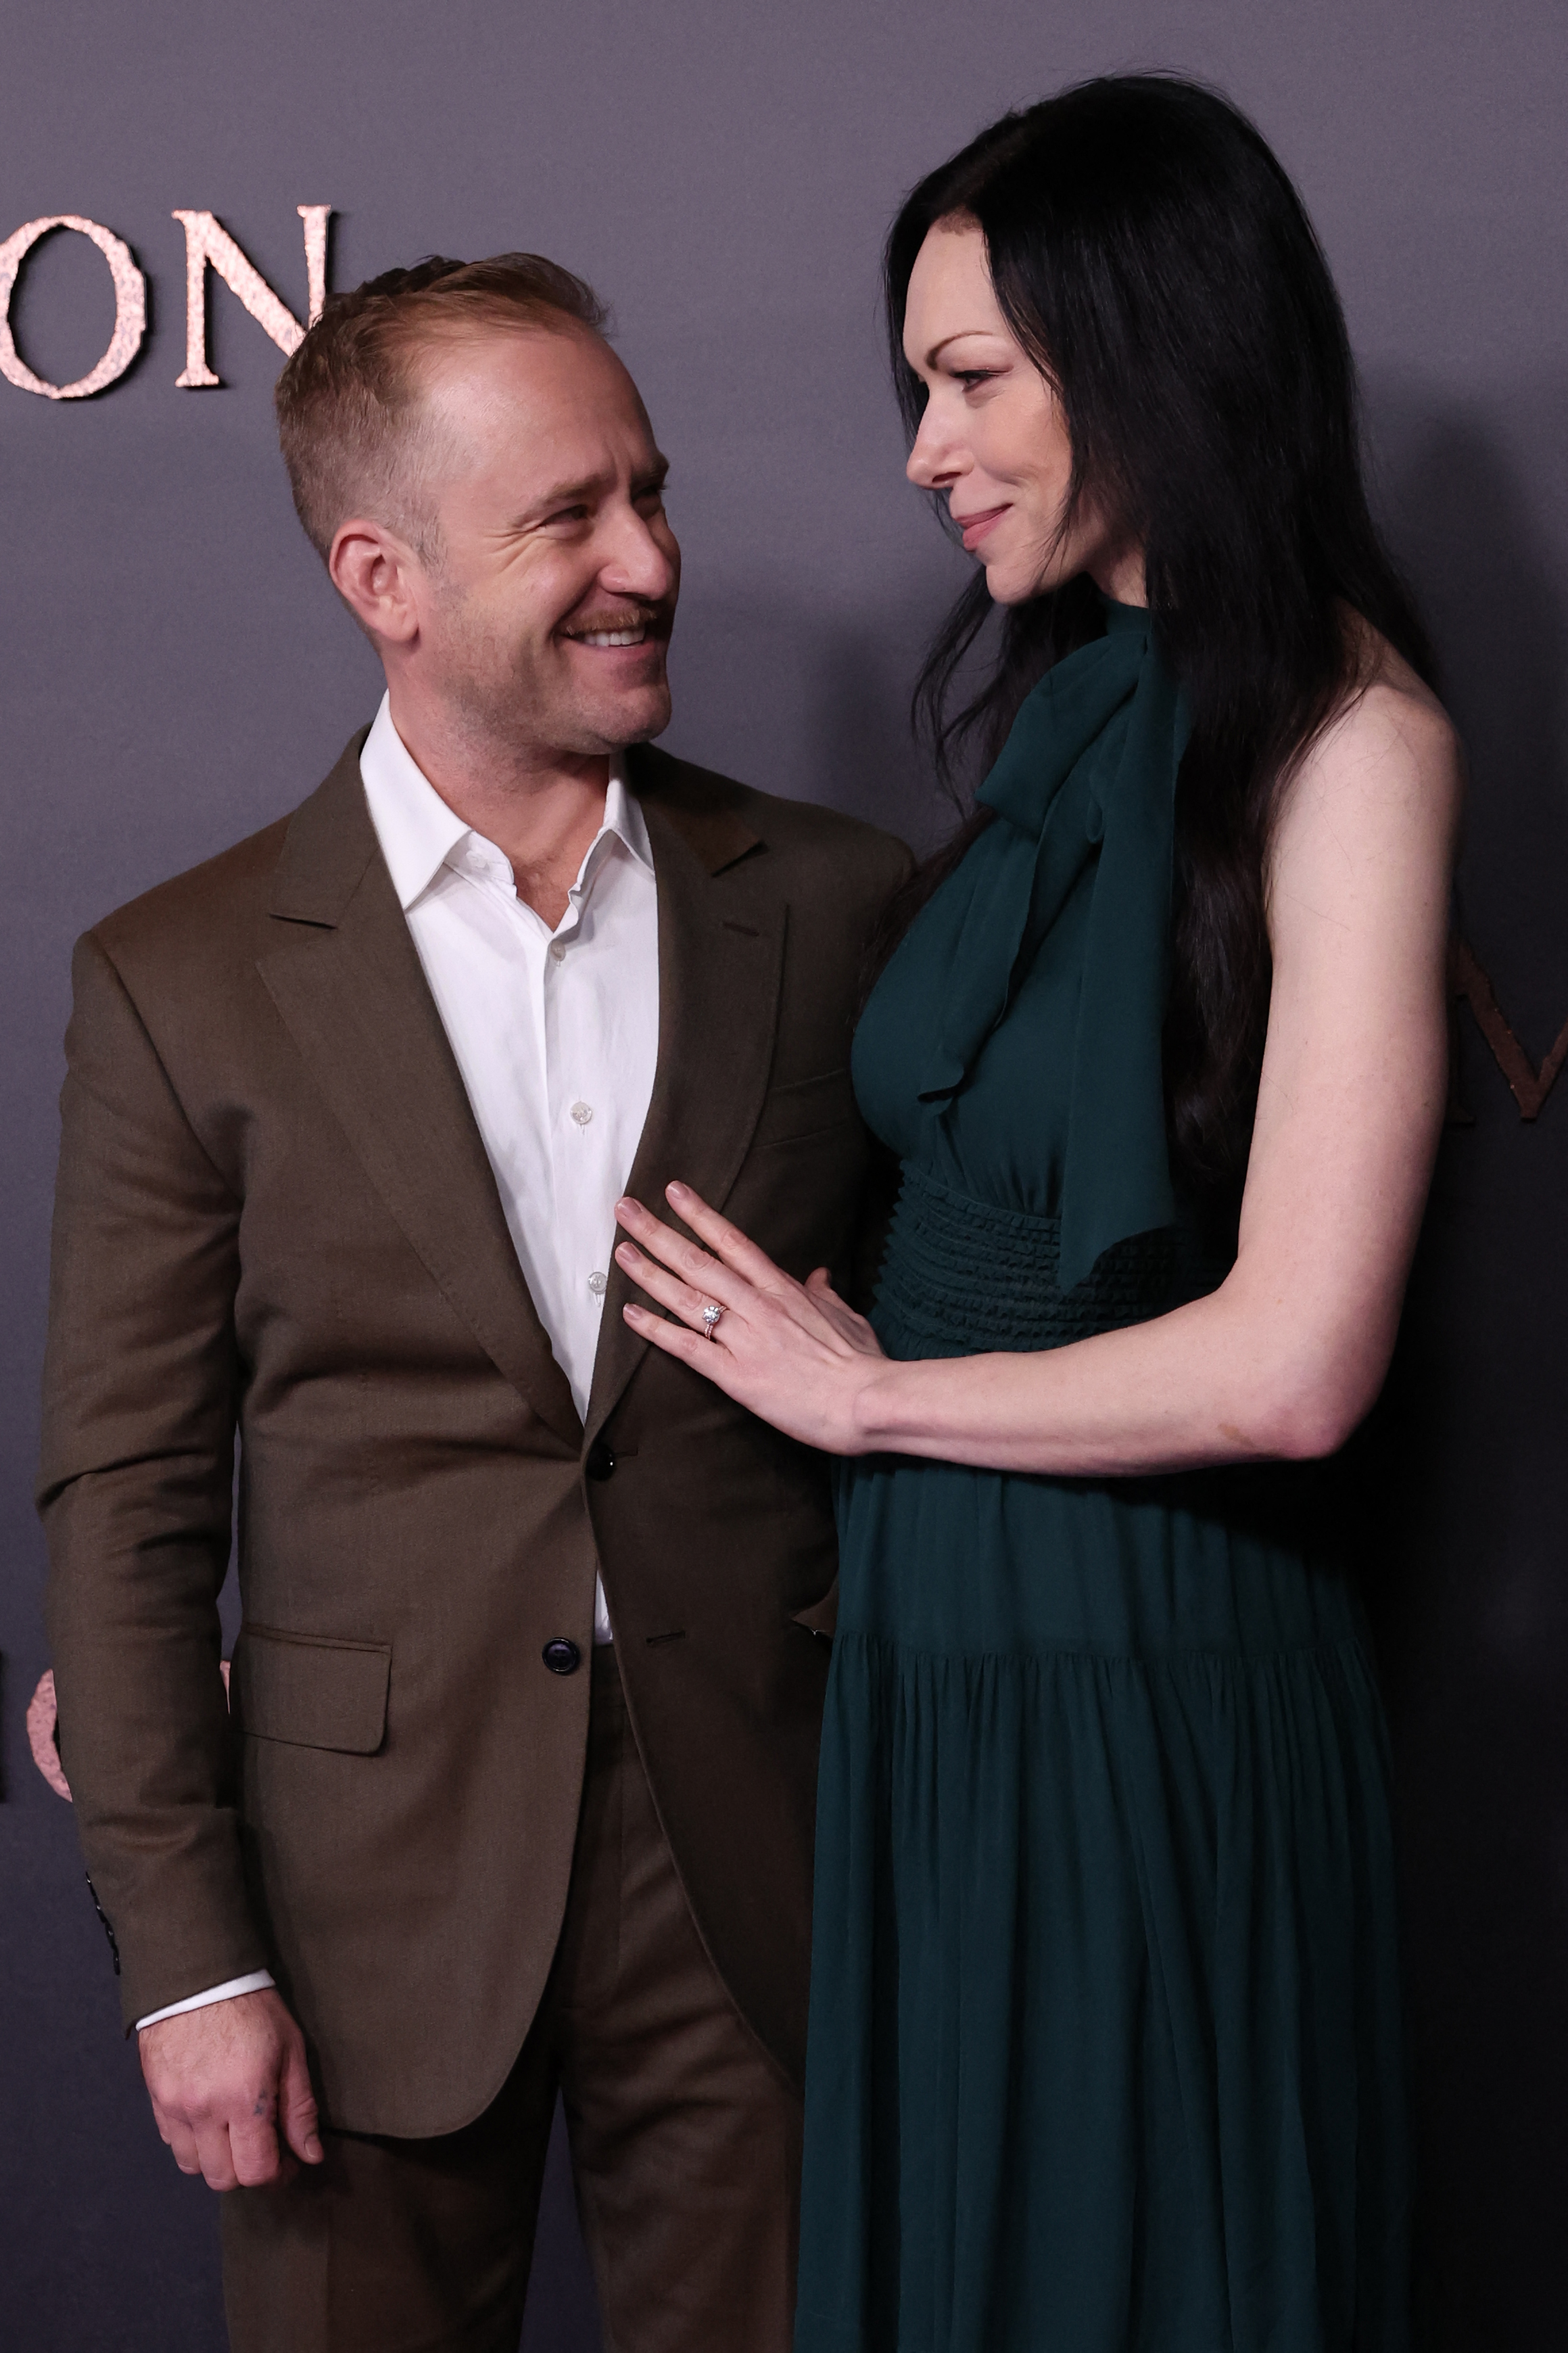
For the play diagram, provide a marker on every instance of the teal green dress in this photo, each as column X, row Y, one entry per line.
column 1105, row 2050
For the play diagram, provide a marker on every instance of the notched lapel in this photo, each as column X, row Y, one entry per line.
column 347, row 981
column 721, row 968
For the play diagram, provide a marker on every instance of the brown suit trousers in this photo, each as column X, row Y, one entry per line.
column 685, row 2141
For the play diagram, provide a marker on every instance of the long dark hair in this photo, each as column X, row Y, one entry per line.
column 1151, row 257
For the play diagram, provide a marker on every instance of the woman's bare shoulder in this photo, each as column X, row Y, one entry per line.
column 1389, row 742
column 1395, row 691
column 1373, row 807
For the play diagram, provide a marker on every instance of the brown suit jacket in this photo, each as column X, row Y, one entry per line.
column 275, row 1215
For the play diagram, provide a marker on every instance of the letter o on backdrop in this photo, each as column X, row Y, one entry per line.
column 130, row 306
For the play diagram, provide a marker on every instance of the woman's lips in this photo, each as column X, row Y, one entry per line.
column 976, row 526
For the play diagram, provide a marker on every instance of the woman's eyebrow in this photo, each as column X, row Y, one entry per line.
column 957, row 336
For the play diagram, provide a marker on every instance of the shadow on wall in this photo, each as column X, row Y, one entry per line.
column 1466, row 509
column 1467, row 1519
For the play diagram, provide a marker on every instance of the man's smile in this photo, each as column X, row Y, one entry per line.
column 610, row 632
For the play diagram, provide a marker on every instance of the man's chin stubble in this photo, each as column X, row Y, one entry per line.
column 583, row 726
column 635, row 716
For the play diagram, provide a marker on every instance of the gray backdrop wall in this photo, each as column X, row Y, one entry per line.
column 175, row 674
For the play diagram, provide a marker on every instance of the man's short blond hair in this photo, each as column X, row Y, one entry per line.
column 347, row 400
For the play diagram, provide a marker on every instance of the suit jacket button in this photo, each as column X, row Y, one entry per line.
column 601, row 1462
column 562, row 1657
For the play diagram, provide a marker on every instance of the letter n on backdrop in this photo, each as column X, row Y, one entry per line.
column 209, row 246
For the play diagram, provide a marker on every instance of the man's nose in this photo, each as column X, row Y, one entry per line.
column 638, row 564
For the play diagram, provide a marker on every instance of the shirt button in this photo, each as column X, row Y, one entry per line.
column 557, row 950
column 596, row 1283
column 582, row 1113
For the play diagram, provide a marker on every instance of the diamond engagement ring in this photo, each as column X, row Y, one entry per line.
column 710, row 1318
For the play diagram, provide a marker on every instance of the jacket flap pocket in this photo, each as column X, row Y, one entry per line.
column 311, row 1689
column 805, row 1107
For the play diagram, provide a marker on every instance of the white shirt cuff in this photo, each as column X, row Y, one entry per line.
column 254, row 1983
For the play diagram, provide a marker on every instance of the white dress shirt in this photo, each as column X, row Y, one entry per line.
column 555, row 1034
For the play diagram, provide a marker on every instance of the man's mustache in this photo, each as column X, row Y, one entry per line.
column 654, row 617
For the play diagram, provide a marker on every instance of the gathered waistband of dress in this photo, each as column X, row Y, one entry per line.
column 961, row 1276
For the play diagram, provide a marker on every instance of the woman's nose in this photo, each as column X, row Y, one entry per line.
column 933, row 464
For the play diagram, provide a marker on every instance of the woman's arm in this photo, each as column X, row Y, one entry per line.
column 1286, row 1358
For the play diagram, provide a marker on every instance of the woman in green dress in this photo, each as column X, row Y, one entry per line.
column 1105, row 2045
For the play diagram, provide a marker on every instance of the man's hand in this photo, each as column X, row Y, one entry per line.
column 231, row 2090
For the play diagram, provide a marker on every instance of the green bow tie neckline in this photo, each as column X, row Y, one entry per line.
column 1088, row 774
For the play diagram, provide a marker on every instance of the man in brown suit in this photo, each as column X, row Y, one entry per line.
column 515, row 1793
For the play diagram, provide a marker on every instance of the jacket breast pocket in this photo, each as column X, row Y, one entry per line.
column 313, row 1690
column 807, row 1107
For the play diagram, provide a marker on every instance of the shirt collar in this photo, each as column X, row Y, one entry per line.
column 418, row 832
column 623, row 814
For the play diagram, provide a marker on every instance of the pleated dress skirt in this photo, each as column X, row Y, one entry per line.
column 1105, row 2045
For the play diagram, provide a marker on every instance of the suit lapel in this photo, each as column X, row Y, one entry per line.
column 347, row 981
column 721, row 967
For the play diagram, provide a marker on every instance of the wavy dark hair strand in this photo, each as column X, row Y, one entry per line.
column 1151, row 255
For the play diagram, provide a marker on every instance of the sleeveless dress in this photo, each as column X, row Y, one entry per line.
column 1105, row 2049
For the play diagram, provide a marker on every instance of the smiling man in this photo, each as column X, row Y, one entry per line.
column 516, row 1794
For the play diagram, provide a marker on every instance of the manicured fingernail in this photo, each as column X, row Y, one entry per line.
column 314, row 2152
column 678, row 1192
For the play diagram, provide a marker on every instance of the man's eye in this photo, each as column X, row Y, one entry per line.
column 570, row 514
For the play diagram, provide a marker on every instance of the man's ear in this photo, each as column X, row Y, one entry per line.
column 374, row 572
